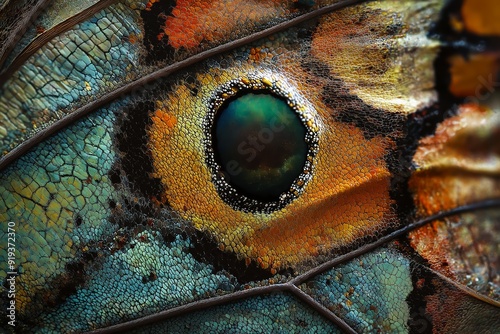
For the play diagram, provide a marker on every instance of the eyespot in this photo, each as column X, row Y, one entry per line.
column 341, row 195
column 260, row 142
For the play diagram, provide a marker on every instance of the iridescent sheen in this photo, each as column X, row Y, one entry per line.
column 259, row 141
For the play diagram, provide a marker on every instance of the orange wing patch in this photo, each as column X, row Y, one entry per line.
column 481, row 17
column 474, row 76
column 193, row 21
column 458, row 165
column 463, row 154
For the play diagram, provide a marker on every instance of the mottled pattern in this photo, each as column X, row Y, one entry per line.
column 66, row 72
column 58, row 195
column 464, row 248
column 369, row 292
column 276, row 313
column 120, row 219
column 106, row 52
column 145, row 277
column 55, row 13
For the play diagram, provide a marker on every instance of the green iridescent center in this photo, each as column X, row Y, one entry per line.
column 260, row 144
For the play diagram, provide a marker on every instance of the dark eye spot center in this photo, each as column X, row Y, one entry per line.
column 261, row 139
column 260, row 144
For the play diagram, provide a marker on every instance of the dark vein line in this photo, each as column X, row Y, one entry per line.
column 321, row 309
column 16, row 35
column 167, row 70
column 292, row 285
column 191, row 307
column 48, row 35
column 226, row 299
column 468, row 291
column 4, row 4
column 486, row 204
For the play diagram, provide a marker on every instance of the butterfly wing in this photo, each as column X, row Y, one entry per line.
column 117, row 219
